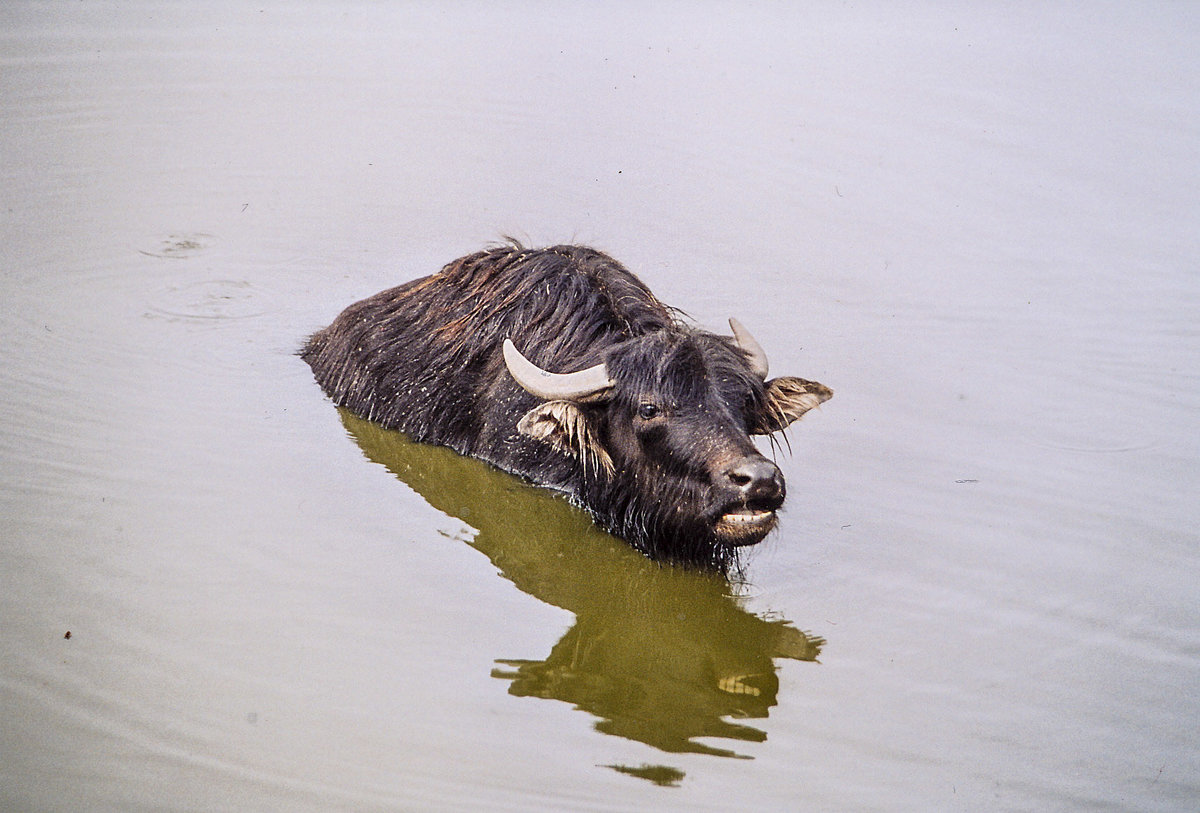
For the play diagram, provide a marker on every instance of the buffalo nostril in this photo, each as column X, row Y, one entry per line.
column 740, row 478
column 756, row 478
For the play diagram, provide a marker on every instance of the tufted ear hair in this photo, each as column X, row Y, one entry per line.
column 787, row 399
column 563, row 425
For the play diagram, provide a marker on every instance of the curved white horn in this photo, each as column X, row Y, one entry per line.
column 575, row 386
column 753, row 350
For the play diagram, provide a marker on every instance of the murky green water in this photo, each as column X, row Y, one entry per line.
column 662, row 655
column 979, row 227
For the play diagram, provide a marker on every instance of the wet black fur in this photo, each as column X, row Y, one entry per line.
column 425, row 358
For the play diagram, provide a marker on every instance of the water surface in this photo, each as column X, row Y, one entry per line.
column 979, row 227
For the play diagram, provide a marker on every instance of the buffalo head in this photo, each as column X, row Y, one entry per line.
column 662, row 429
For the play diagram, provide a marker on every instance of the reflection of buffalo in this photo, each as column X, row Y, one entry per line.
column 651, row 430
column 662, row 655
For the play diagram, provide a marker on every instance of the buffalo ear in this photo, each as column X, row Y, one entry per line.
column 787, row 398
column 563, row 425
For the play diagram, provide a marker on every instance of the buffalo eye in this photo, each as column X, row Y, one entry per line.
column 647, row 411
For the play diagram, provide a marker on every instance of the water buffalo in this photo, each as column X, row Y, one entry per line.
column 649, row 427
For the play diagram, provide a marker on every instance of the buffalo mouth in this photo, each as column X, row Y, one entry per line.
column 744, row 524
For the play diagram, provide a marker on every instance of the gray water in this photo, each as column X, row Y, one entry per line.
column 978, row 226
